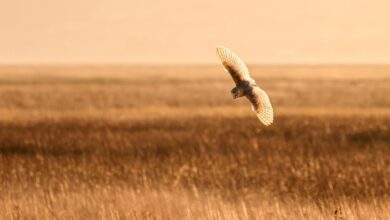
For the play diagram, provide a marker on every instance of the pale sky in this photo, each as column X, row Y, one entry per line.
column 179, row 31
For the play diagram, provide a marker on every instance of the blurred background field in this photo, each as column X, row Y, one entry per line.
column 169, row 142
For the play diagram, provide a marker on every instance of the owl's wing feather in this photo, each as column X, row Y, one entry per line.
column 234, row 65
column 261, row 105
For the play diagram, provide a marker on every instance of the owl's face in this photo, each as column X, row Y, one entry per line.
column 237, row 93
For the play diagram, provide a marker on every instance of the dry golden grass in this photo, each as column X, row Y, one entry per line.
column 74, row 145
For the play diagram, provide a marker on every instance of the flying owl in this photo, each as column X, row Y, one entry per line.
column 245, row 85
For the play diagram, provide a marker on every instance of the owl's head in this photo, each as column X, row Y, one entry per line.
column 237, row 92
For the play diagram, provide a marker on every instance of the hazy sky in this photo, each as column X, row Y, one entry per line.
column 177, row 31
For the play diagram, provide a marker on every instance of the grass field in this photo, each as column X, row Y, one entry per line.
column 166, row 142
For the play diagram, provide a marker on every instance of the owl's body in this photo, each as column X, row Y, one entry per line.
column 245, row 85
column 243, row 88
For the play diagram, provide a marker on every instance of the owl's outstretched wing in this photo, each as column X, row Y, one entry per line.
column 234, row 65
column 261, row 105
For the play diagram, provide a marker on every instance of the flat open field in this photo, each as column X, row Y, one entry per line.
column 168, row 142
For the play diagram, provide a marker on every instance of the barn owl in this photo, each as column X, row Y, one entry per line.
column 245, row 85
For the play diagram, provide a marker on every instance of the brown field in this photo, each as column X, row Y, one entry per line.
column 119, row 142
